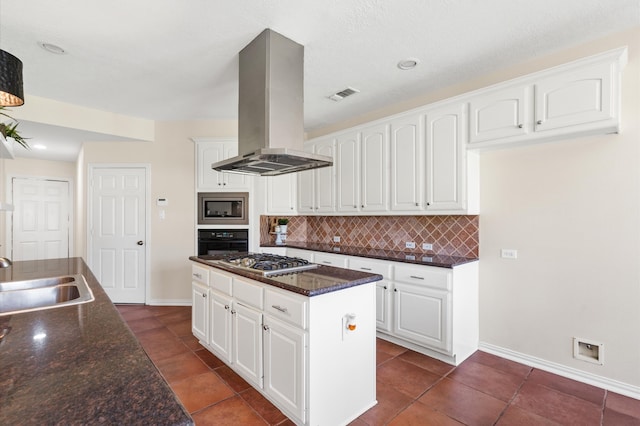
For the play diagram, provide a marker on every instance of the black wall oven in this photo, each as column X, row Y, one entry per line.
column 222, row 241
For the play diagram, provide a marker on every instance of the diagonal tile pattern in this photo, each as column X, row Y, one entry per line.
column 412, row 389
column 449, row 235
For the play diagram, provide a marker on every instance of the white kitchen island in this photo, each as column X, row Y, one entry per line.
column 306, row 341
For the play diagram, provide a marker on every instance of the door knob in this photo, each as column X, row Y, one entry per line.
column 140, row 243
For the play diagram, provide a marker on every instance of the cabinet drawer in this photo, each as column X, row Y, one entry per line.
column 220, row 281
column 247, row 292
column 302, row 254
column 200, row 274
column 330, row 259
column 287, row 307
column 371, row 266
column 425, row 276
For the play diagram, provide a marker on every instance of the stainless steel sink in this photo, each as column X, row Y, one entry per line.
column 43, row 293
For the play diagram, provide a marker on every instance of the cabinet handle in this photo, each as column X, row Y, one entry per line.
column 417, row 204
column 219, row 184
column 226, row 307
column 355, row 207
column 224, row 183
column 326, row 262
column 539, row 122
column 279, row 308
column 395, row 289
column 265, row 327
column 233, row 312
column 198, row 276
column 428, row 204
column 365, row 269
column 385, row 287
column 520, row 126
column 416, row 277
column 291, row 208
column 204, row 294
column 362, row 206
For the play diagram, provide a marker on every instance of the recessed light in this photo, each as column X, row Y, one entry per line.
column 39, row 146
column 52, row 48
column 408, row 64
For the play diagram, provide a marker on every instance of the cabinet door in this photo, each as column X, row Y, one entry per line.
column 499, row 114
column 209, row 153
column 281, row 194
column 573, row 98
column 347, row 166
column 306, row 189
column 422, row 315
column 220, row 308
column 324, row 179
column 247, row 337
column 444, row 159
column 406, row 163
column 233, row 180
column 284, row 366
column 383, row 305
column 199, row 311
column 374, row 159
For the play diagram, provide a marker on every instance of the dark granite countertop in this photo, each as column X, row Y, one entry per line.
column 323, row 279
column 78, row 364
column 442, row 261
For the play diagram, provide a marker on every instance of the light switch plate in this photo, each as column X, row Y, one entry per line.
column 509, row 253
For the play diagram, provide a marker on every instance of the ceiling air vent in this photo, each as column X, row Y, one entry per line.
column 343, row 94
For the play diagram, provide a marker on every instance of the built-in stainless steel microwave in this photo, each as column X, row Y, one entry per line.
column 223, row 208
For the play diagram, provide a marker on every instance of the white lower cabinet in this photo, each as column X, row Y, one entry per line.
column 247, row 338
column 284, row 364
column 282, row 343
column 220, row 311
column 422, row 315
column 383, row 305
column 199, row 310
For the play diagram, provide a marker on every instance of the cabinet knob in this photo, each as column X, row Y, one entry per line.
column 233, row 312
column 265, row 327
column 417, row 204
column 520, row 126
column 539, row 122
column 224, row 183
column 355, row 207
column 291, row 208
column 204, row 294
column 362, row 206
column 385, row 287
column 428, row 204
column 395, row 289
column 219, row 184
column 226, row 307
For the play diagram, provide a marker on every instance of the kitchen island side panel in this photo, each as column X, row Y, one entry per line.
column 349, row 356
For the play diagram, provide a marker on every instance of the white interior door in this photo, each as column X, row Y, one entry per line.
column 117, row 231
column 40, row 227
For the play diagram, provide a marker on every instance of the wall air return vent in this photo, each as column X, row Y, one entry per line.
column 338, row 96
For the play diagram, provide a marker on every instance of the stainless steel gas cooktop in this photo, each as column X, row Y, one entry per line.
column 267, row 264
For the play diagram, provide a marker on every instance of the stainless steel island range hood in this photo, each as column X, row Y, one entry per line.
column 270, row 110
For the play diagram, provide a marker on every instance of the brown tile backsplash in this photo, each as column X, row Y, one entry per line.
column 450, row 235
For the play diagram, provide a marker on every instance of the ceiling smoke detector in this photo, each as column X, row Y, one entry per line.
column 338, row 96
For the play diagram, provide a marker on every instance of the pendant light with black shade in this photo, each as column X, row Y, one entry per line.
column 11, row 91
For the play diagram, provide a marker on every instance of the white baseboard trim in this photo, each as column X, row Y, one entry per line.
column 169, row 302
column 562, row 370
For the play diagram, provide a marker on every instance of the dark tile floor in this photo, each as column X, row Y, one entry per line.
column 412, row 389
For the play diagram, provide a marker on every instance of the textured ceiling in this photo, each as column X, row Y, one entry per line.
column 177, row 59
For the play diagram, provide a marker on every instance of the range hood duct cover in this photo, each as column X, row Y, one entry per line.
column 271, row 111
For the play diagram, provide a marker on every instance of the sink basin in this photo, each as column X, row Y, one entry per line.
column 43, row 293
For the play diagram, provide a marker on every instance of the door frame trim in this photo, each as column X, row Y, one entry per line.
column 91, row 167
column 9, row 217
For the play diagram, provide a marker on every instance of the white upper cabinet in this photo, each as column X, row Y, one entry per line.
column 374, row 170
column 576, row 99
column 281, row 194
column 347, row 166
column 444, row 158
column 209, row 151
column 316, row 188
column 406, row 163
column 499, row 114
column 362, row 170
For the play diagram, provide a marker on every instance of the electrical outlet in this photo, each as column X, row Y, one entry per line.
column 427, row 246
column 336, row 239
column 410, row 245
column 509, row 253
